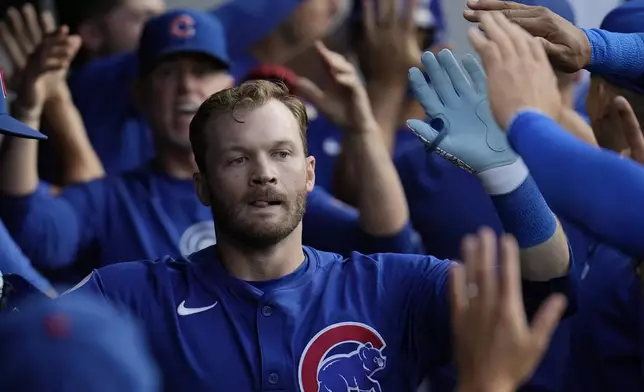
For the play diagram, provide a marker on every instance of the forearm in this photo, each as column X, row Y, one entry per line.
column 386, row 100
column 19, row 160
column 380, row 197
column 616, row 53
column 81, row 163
column 591, row 187
column 525, row 214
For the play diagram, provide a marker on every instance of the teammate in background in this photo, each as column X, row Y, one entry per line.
column 606, row 354
column 12, row 260
column 150, row 211
column 369, row 322
column 81, row 344
column 260, row 32
column 107, row 27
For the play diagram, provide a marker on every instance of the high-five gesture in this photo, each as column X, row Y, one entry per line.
column 44, row 76
column 502, row 350
column 519, row 73
column 567, row 46
column 345, row 102
column 461, row 127
column 20, row 34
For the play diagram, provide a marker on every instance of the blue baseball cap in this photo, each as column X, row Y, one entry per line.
column 627, row 18
column 246, row 22
column 71, row 344
column 9, row 125
column 562, row 8
column 181, row 31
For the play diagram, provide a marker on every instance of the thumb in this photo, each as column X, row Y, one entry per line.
column 423, row 131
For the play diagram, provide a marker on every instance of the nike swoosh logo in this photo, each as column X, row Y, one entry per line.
column 183, row 311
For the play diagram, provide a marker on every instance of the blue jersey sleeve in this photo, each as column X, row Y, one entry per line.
column 333, row 226
column 596, row 189
column 45, row 227
column 53, row 230
column 13, row 261
column 616, row 53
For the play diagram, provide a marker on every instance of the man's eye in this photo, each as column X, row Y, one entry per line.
column 282, row 154
column 237, row 161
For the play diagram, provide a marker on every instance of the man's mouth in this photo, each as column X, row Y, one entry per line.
column 264, row 203
column 187, row 108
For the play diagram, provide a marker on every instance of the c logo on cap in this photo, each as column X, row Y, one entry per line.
column 183, row 26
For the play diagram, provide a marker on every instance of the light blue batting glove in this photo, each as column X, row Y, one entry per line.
column 468, row 135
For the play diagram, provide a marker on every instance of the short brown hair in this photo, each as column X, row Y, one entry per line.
column 248, row 95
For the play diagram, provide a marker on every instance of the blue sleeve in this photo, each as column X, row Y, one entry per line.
column 13, row 261
column 616, row 53
column 333, row 226
column 45, row 227
column 418, row 287
column 593, row 188
column 120, row 285
column 53, row 230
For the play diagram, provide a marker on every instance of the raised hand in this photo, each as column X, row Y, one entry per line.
column 44, row 76
column 461, row 127
column 20, row 33
column 566, row 45
column 502, row 350
column 389, row 44
column 345, row 102
column 519, row 73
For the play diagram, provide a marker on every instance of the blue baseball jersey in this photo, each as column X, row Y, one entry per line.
column 149, row 214
column 366, row 322
column 607, row 345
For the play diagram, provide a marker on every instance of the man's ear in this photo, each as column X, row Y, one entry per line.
column 310, row 173
column 201, row 186
column 92, row 36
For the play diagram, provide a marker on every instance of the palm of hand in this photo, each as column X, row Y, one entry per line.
column 471, row 137
column 474, row 140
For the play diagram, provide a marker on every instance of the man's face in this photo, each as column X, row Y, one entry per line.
column 311, row 21
column 173, row 92
column 257, row 176
column 123, row 25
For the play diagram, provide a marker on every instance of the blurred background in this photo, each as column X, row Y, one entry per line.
column 589, row 14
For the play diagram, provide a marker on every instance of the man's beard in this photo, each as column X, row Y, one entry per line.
column 230, row 223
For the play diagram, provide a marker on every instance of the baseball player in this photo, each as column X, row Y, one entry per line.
column 12, row 260
column 259, row 311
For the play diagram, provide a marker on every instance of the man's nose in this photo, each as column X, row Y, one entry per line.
column 263, row 174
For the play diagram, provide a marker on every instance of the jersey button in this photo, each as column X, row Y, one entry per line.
column 267, row 311
column 273, row 378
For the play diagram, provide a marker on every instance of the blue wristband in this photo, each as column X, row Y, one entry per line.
column 616, row 53
column 525, row 214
